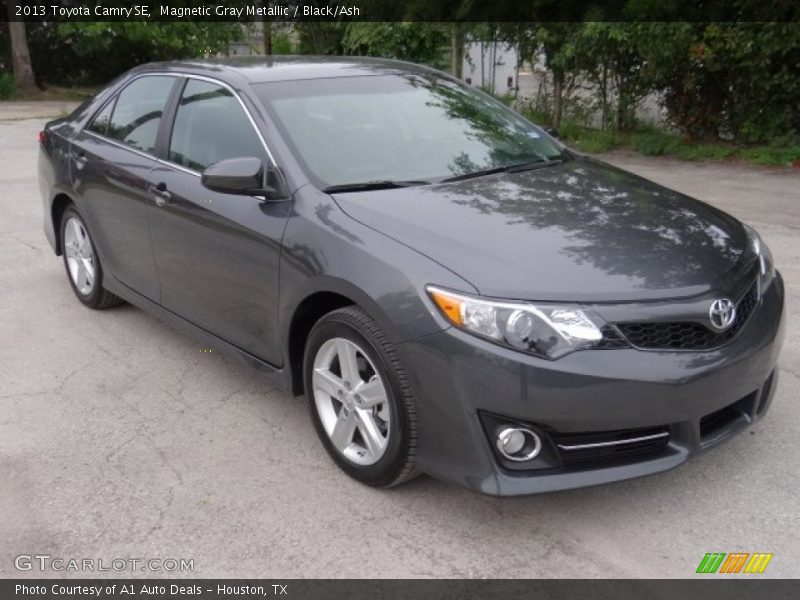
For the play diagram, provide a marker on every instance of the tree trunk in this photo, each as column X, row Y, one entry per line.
column 266, row 28
column 457, row 40
column 605, row 116
column 20, row 55
column 558, row 97
column 267, row 36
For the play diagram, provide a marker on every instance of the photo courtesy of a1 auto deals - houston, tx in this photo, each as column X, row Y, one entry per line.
column 368, row 299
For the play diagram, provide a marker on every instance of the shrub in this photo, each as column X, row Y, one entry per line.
column 593, row 141
column 281, row 44
column 655, row 143
column 7, row 86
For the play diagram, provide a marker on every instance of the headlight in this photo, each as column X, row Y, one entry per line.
column 545, row 330
column 766, row 265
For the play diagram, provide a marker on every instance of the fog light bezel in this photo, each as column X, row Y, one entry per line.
column 548, row 458
column 532, row 441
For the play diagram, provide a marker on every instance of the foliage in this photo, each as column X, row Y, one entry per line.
column 282, row 44
column 7, row 86
column 726, row 80
column 609, row 57
column 415, row 42
column 319, row 37
column 104, row 50
column 735, row 80
column 655, row 142
column 730, row 79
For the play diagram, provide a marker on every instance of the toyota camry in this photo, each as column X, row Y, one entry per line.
column 455, row 291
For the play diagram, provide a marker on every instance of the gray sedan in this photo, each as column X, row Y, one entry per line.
column 455, row 291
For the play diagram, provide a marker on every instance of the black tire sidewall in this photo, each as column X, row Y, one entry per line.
column 388, row 468
column 92, row 298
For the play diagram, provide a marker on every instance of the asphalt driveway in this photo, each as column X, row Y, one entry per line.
column 120, row 438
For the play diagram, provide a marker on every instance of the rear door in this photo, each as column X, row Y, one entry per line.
column 217, row 254
column 110, row 163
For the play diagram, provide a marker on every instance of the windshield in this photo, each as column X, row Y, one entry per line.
column 399, row 128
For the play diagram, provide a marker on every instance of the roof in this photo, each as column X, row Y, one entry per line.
column 259, row 69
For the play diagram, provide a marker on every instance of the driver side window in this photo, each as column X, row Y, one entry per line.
column 211, row 126
column 138, row 111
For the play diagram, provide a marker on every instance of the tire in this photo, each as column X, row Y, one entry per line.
column 383, row 434
column 84, row 271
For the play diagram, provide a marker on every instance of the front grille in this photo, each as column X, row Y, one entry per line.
column 687, row 335
column 625, row 445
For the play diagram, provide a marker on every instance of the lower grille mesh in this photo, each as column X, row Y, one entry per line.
column 611, row 446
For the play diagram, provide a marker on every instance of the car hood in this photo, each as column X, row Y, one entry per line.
column 577, row 231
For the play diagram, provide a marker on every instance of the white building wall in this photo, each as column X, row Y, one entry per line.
column 491, row 65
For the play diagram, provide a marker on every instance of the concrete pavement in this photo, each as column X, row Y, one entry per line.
column 35, row 109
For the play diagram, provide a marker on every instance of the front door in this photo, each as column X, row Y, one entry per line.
column 217, row 254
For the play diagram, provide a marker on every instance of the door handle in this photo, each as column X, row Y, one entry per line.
column 160, row 194
column 79, row 156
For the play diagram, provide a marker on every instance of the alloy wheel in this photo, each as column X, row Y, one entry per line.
column 80, row 256
column 351, row 401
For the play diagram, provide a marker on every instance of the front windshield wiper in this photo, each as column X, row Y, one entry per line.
column 537, row 164
column 515, row 168
column 481, row 173
column 372, row 185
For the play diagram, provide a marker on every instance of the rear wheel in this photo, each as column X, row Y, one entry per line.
column 82, row 264
column 360, row 401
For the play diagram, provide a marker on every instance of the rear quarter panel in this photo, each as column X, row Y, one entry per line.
column 53, row 169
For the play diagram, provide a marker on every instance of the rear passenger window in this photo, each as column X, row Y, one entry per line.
column 138, row 110
column 102, row 119
column 211, row 126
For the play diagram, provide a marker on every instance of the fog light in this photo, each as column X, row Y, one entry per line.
column 518, row 443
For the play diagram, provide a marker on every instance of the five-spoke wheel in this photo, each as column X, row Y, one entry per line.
column 360, row 401
column 79, row 254
column 82, row 263
column 351, row 401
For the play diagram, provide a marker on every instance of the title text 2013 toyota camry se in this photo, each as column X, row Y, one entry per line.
column 455, row 291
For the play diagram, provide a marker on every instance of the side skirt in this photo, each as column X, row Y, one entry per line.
column 279, row 377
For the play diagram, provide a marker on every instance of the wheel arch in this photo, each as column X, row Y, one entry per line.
column 311, row 307
column 310, row 310
column 57, row 207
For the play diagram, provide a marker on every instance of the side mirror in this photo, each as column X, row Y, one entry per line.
column 245, row 176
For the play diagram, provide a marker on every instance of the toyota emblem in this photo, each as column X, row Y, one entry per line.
column 721, row 314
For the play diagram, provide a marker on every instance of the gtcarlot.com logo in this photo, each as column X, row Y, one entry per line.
column 45, row 562
column 735, row 562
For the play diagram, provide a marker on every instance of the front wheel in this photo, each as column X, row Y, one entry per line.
column 360, row 401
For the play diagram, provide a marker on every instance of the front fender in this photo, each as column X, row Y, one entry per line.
column 324, row 250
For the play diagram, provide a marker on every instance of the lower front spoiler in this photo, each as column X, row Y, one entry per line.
column 685, row 441
column 700, row 398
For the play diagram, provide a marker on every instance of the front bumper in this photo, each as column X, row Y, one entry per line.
column 457, row 377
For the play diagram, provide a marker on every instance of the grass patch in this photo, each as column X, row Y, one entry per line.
column 654, row 142
column 595, row 142
column 651, row 141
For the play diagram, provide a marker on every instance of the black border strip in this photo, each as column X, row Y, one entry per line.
column 403, row 10
column 707, row 587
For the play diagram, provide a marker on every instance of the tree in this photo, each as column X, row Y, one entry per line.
column 415, row 42
column 556, row 41
column 319, row 37
column 457, row 40
column 608, row 56
column 266, row 28
column 20, row 55
column 99, row 51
